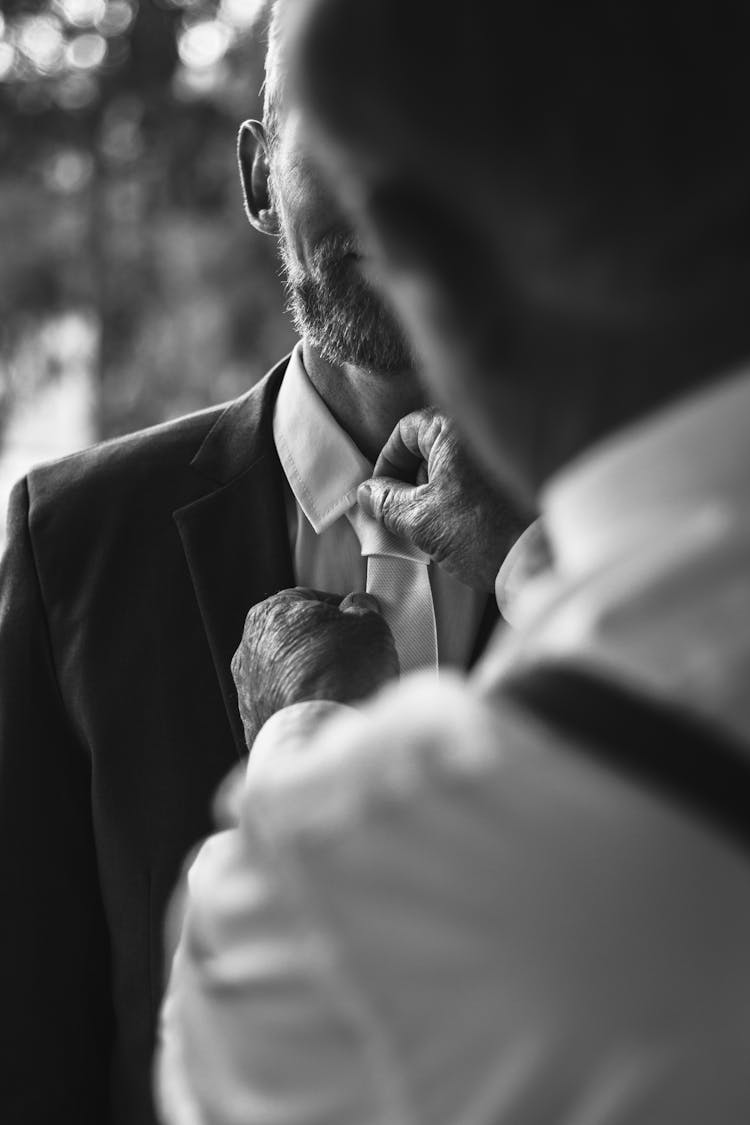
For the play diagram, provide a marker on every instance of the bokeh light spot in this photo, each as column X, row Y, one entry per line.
column 86, row 52
column 116, row 18
column 204, row 44
column 81, row 13
column 40, row 38
column 68, row 171
column 241, row 14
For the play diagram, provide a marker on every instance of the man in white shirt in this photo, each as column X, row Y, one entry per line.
column 490, row 902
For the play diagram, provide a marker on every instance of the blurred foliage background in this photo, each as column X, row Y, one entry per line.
column 131, row 288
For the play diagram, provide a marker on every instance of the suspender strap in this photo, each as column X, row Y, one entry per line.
column 681, row 756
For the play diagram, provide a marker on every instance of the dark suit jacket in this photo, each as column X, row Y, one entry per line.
column 129, row 572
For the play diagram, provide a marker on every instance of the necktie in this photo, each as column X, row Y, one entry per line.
column 398, row 577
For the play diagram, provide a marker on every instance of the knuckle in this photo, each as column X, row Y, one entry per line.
column 382, row 501
column 392, row 512
column 384, row 497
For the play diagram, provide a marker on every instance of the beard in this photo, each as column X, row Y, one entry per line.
column 338, row 312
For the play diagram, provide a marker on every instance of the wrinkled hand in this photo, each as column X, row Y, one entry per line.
column 302, row 644
column 426, row 489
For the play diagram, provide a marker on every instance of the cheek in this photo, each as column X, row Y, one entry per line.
column 305, row 205
column 290, row 205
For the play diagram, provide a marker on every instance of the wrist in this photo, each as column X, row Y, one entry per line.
column 286, row 735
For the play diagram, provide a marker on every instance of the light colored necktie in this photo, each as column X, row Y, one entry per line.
column 398, row 576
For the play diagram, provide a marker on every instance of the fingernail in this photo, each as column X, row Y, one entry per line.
column 359, row 603
column 364, row 499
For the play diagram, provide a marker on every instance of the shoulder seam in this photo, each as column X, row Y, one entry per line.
column 47, row 634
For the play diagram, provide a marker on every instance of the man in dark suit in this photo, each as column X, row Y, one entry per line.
column 129, row 571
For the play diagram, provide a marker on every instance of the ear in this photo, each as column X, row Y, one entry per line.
column 252, row 154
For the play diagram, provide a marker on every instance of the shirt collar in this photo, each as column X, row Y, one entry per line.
column 321, row 462
column 691, row 457
column 528, row 558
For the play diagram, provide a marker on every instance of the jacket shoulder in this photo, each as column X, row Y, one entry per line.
column 123, row 462
column 128, row 489
column 115, row 491
column 161, row 462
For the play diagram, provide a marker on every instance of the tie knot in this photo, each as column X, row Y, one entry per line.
column 374, row 539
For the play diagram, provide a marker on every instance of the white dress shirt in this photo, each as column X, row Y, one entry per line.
column 651, row 539
column 323, row 468
column 435, row 912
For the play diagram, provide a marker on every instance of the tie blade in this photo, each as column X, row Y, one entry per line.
column 403, row 590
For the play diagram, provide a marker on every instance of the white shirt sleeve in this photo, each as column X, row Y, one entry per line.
column 287, row 735
column 527, row 569
column 440, row 917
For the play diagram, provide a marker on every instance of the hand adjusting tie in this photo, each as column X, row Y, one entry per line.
column 398, row 576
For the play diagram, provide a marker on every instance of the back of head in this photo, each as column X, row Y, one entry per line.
column 592, row 157
column 616, row 127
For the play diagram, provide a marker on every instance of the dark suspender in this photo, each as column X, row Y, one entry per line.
column 682, row 756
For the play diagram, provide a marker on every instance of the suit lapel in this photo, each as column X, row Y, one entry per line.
column 235, row 538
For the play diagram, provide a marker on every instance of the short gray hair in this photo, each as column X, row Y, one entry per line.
column 273, row 83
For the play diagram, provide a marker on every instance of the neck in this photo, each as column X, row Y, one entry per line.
column 366, row 404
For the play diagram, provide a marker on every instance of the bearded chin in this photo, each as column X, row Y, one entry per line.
column 345, row 320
